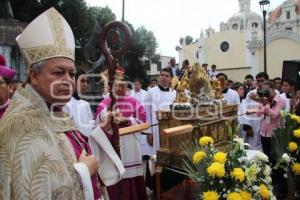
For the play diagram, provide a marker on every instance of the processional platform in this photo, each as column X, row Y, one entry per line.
column 217, row 122
column 214, row 121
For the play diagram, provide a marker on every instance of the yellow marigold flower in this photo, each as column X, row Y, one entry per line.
column 206, row 141
column 292, row 146
column 234, row 196
column 216, row 169
column 210, row 195
column 295, row 118
column 238, row 174
column 245, row 195
column 264, row 191
column 220, row 157
column 198, row 156
column 296, row 168
column 297, row 133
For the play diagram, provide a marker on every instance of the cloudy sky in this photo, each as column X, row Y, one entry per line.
column 171, row 19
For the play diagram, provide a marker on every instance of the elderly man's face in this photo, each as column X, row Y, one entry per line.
column 56, row 81
column 121, row 88
column 4, row 91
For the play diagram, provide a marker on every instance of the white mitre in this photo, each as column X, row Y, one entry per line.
column 47, row 36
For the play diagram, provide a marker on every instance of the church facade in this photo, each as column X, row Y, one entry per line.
column 237, row 49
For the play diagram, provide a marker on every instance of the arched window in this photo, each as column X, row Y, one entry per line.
column 235, row 26
column 254, row 25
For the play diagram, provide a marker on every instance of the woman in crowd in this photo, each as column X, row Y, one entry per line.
column 239, row 88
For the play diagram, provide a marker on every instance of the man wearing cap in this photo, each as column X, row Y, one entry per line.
column 42, row 154
column 6, row 76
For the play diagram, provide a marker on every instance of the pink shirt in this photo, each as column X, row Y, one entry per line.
column 271, row 116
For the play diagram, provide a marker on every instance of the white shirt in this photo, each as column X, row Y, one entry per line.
column 140, row 95
column 213, row 74
column 81, row 113
column 157, row 100
column 287, row 102
column 232, row 97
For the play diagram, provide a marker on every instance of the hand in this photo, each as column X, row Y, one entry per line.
column 106, row 121
column 253, row 96
column 150, row 139
column 119, row 119
column 90, row 161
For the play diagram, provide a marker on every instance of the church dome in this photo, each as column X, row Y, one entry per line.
column 245, row 18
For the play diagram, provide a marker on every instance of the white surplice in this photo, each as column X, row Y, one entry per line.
column 81, row 114
column 141, row 97
column 232, row 97
column 287, row 102
column 157, row 100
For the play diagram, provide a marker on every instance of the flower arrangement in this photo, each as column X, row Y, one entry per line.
column 237, row 174
column 286, row 142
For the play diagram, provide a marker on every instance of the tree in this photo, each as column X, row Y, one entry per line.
column 141, row 53
column 80, row 17
column 103, row 15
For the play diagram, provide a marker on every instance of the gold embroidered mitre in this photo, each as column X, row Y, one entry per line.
column 47, row 36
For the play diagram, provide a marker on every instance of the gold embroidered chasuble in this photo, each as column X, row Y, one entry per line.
column 36, row 158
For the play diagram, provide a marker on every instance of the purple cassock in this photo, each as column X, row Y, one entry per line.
column 8, row 74
column 79, row 143
column 132, row 186
column 6, row 71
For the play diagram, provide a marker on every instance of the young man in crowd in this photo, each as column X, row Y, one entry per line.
column 248, row 84
column 213, row 72
column 288, row 92
column 159, row 97
column 250, row 124
column 270, row 106
column 175, row 70
column 231, row 96
column 278, row 84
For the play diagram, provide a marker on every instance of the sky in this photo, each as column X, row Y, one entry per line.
column 171, row 19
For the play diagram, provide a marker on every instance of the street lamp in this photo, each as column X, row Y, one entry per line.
column 264, row 7
column 123, row 10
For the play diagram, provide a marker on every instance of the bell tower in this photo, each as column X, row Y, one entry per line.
column 245, row 5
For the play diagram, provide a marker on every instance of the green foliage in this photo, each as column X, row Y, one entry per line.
column 80, row 17
column 103, row 15
column 286, row 144
column 282, row 137
column 143, row 47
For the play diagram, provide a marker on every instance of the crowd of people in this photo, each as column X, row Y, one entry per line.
column 54, row 147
